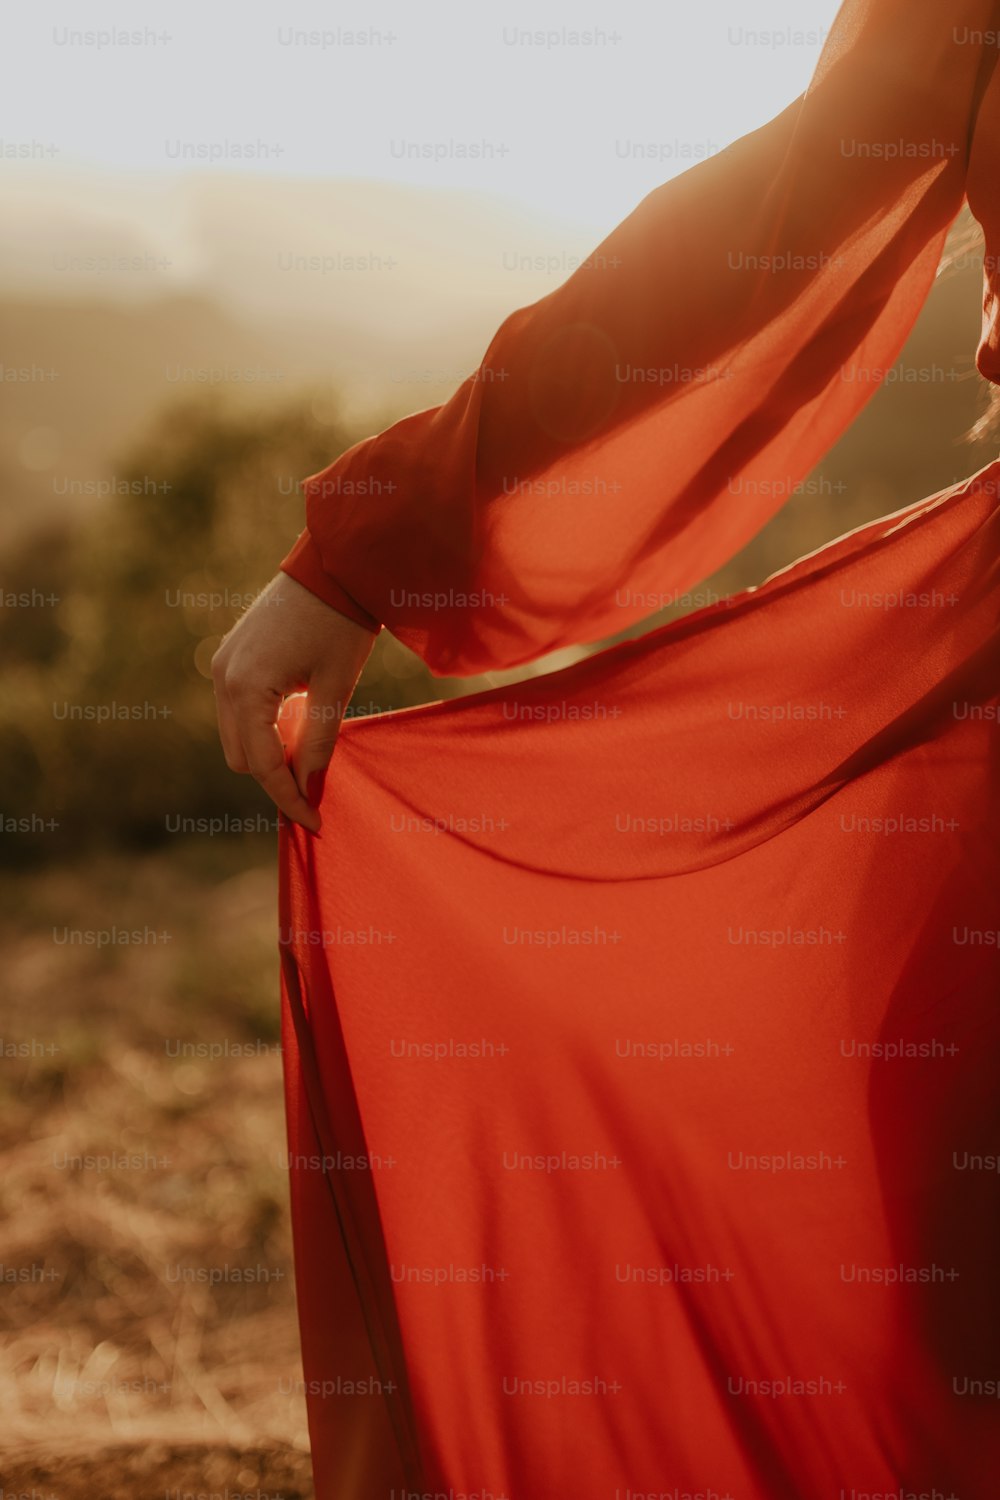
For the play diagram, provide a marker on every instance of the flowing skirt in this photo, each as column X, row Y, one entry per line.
column 641, row 1030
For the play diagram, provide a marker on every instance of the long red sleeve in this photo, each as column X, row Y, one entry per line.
column 621, row 436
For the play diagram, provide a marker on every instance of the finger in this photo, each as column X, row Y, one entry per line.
column 314, row 744
column 291, row 721
column 229, row 734
column 265, row 755
column 279, row 784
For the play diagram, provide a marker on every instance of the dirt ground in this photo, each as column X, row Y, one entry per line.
column 158, row 1470
column 148, row 1337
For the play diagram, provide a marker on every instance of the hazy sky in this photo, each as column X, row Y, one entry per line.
column 444, row 93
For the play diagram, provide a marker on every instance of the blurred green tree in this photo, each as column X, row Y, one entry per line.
column 146, row 590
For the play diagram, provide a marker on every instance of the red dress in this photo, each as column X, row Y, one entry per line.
column 642, row 1019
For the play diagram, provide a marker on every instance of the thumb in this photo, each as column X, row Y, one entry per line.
column 319, row 725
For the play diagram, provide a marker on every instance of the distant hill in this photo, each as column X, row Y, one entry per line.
column 119, row 295
column 378, row 298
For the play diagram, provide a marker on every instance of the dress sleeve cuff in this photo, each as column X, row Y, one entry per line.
column 305, row 565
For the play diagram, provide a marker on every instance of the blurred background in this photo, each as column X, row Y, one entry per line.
column 235, row 244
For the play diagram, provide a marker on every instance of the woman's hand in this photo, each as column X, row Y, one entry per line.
column 287, row 641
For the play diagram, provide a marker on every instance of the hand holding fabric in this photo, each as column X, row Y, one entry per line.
column 289, row 640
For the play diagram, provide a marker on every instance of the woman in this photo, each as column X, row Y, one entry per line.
column 640, row 1018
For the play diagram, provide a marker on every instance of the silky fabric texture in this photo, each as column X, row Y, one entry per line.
column 641, row 1020
column 652, row 1015
column 625, row 435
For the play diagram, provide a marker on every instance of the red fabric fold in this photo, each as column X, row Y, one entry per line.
column 663, row 990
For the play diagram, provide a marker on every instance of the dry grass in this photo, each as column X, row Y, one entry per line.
column 149, row 1341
